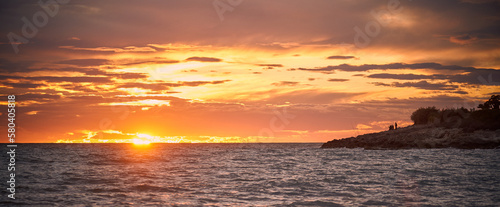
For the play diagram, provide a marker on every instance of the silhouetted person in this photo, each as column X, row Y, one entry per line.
column 391, row 127
column 395, row 125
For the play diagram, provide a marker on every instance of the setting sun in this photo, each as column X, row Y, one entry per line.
column 141, row 142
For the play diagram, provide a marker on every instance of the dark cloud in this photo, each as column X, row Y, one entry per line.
column 463, row 39
column 461, row 92
column 421, row 85
column 480, row 1
column 89, row 71
column 37, row 97
column 338, row 80
column 77, row 87
column 406, row 76
column 285, row 83
column 204, row 59
column 270, row 65
column 391, row 66
column 476, row 76
column 340, row 57
column 22, row 85
column 16, row 66
column 84, row 62
column 128, row 75
column 198, row 83
column 55, row 79
column 154, row 61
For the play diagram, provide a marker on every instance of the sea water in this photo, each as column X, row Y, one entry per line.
column 249, row 175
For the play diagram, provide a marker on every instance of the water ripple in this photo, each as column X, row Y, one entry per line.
column 252, row 175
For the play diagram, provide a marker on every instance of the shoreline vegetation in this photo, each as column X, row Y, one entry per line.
column 437, row 128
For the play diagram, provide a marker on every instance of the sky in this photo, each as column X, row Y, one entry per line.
column 239, row 70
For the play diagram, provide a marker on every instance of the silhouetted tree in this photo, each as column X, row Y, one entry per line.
column 424, row 115
column 493, row 102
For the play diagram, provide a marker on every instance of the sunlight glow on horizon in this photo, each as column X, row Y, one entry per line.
column 141, row 142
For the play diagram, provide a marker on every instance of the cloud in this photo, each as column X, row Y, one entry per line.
column 204, row 59
column 285, row 83
column 78, row 87
column 421, row 85
column 99, row 72
column 340, row 57
column 472, row 75
column 22, row 85
column 270, row 66
column 463, row 39
column 480, row 1
column 55, row 79
column 155, row 61
column 16, row 66
column 84, row 62
column 106, row 20
column 127, row 49
column 150, row 86
column 460, row 92
column 391, row 66
column 405, row 76
column 475, row 77
column 37, row 97
column 338, row 80
column 128, row 75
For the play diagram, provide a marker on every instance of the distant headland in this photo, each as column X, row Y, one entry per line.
column 434, row 128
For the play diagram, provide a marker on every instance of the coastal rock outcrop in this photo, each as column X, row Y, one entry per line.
column 421, row 136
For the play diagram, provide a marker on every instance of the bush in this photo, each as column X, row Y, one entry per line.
column 452, row 118
column 486, row 119
column 482, row 119
column 425, row 115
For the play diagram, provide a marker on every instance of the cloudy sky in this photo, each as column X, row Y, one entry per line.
column 240, row 70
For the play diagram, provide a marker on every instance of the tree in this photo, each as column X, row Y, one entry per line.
column 424, row 115
column 493, row 102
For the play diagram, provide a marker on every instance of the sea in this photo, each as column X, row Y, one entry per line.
column 249, row 175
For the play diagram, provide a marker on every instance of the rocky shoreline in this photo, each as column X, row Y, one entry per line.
column 421, row 136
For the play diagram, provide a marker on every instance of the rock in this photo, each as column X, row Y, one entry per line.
column 422, row 136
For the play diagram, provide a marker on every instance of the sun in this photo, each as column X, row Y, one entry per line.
column 140, row 141
column 143, row 139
